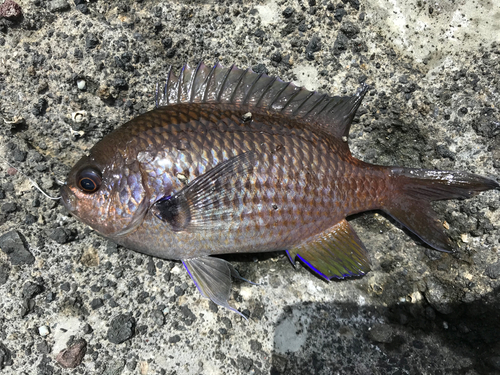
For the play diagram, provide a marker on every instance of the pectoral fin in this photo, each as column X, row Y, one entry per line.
column 212, row 277
column 209, row 199
column 335, row 253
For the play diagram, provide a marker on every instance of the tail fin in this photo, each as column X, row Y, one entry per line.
column 416, row 188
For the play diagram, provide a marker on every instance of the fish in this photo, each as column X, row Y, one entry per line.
column 232, row 161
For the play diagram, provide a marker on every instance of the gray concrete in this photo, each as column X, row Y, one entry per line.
column 71, row 73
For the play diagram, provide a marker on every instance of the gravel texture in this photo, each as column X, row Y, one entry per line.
column 74, row 303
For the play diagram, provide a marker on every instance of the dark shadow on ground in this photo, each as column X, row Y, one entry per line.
column 405, row 338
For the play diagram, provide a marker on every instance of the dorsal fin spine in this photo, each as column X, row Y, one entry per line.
column 318, row 102
column 278, row 95
column 252, row 86
column 207, row 81
column 221, row 90
column 191, row 83
column 165, row 90
column 297, row 92
column 309, row 96
column 265, row 91
column 235, row 90
column 180, row 82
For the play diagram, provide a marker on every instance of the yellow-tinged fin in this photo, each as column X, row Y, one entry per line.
column 231, row 85
column 334, row 253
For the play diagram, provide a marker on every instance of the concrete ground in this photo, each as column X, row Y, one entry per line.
column 71, row 71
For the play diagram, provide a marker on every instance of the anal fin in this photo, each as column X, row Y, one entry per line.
column 212, row 277
column 334, row 253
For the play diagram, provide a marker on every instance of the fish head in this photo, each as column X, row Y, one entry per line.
column 105, row 191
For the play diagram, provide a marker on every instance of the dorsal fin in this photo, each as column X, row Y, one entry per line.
column 231, row 85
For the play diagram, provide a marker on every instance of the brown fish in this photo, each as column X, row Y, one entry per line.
column 231, row 161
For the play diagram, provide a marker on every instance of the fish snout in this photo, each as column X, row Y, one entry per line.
column 68, row 198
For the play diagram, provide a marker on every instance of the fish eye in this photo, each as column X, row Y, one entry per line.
column 89, row 180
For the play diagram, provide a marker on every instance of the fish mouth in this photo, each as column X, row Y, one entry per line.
column 67, row 198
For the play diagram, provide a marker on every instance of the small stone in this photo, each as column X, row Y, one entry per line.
column 66, row 286
column 167, row 43
column 19, row 155
column 260, row 68
column 115, row 367
column 493, row 271
column 81, row 84
column 167, row 275
column 31, row 290
column 340, row 44
column 91, row 41
column 255, row 345
column 158, row 317
column 60, row 235
column 340, row 12
column 5, row 357
column 121, row 329
column 51, row 297
column 151, row 267
column 11, row 10
column 314, row 45
column 245, row 363
column 4, row 273
column 43, row 331
column 83, row 8
column 171, row 53
column 439, row 296
column 87, row 329
column 58, row 6
column 90, row 257
column 96, row 303
column 174, row 339
column 349, row 29
column 227, row 322
column 8, row 208
column 276, row 57
column 288, row 12
column 73, row 355
column 12, row 244
column 381, row 333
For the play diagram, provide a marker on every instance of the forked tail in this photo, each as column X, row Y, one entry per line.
column 414, row 189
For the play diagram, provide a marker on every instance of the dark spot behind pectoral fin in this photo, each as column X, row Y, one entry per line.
column 209, row 199
column 212, row 277
column 335, row 253
column 173, row 210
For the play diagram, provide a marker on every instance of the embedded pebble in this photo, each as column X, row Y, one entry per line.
column 58, row 5
column 381, row 333
column 43, row 331
column 81, row 84
column 122, row 328
column 72, row 356
column 12, row 245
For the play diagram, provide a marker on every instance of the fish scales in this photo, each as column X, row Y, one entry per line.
column 306, row 181
column 235, row 162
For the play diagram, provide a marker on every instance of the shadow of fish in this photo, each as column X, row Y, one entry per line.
column 232, row 161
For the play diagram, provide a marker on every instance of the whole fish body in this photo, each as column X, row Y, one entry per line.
column 231, row 161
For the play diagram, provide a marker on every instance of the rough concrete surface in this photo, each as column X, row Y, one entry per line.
column 71, row 71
